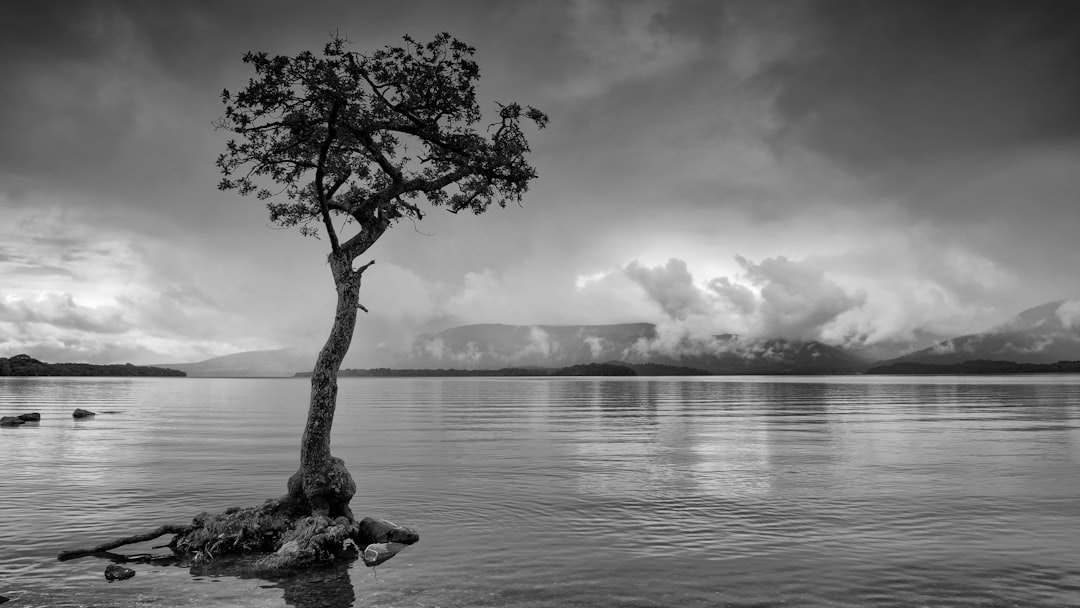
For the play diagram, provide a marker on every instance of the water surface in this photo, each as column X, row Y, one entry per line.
column 828, row 491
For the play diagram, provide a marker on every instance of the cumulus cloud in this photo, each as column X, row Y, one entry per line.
column 1069, row 313
column 797, row 299
column 776, row 297
column 739, row 297
column 671, row 286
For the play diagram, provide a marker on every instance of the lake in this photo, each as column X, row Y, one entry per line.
column 720, row 491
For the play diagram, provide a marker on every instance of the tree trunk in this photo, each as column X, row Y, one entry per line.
column 313, row 522
column 322, row 485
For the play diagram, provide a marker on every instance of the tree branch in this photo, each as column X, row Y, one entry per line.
column 128, row 540
column 320, row 172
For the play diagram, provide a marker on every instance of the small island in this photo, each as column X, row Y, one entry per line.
column 25, row 365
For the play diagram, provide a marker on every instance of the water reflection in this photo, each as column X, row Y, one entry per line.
column 328, row 586
column 690, row 492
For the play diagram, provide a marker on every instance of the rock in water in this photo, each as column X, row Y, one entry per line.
column 11, row 421
column 118, row 573
column 81, row 413
column 377, row 553
column 381, row 531
column 34, row 417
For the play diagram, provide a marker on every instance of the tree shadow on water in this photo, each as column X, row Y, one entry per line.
column 328, row 585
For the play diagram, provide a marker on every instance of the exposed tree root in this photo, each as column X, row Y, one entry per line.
column 278, row 532
column 127, row 540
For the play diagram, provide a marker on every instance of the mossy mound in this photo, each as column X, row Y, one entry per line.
column 278, row 533
column 290, row 540
column 251, row 530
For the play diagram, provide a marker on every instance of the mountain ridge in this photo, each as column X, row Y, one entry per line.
column 1044, row 334
column 272, row 363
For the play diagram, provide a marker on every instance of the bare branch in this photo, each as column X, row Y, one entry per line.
column 320, row 172
column 127, row 540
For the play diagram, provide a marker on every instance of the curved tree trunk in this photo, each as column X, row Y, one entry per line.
column 313, row 522
column 322, row 484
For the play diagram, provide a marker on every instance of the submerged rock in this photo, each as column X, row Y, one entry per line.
column 11, row 421
column 118, row 573
column 383, row 539
column 32, row 417
column 377, row 553
column 81, row 413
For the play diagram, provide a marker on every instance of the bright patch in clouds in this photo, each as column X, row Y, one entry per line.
column 97, row 295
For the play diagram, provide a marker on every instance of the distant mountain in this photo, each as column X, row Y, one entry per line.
column 1043, row 334
column 25, row 365
column 733, row 355
column 490, row 346
column 499, row 346
column 256, row 363
column 893, row 349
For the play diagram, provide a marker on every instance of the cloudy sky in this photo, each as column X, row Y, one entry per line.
column 848, row 171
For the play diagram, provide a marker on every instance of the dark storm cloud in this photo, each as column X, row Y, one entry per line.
column 61, row 110
column 111, row 103
column 881, row 86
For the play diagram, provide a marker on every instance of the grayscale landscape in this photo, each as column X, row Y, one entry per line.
column 740, row 303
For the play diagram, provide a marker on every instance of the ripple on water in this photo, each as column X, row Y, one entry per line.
column 577, row 492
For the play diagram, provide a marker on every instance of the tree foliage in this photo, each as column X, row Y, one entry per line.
column 365, row 137
column 347, row 139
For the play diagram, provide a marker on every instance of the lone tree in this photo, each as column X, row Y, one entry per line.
column 360, row 139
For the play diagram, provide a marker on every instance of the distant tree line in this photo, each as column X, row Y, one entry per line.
column 978, row 366
column 587, row 369
column 618, row 368
column 25, row 365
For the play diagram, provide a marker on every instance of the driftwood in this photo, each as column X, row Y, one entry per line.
column 127, row 540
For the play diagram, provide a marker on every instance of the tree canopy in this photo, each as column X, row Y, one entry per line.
column 366, row 136
column 361, row 138
column 352, row 140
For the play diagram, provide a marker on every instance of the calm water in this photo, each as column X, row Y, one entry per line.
column 842, row 491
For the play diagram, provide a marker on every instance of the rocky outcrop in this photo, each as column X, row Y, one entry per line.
column 11, row 421
column 81, row 413
column 32, row 417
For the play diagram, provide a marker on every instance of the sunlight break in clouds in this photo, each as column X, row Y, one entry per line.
column 98, row 295
column 777, row 297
